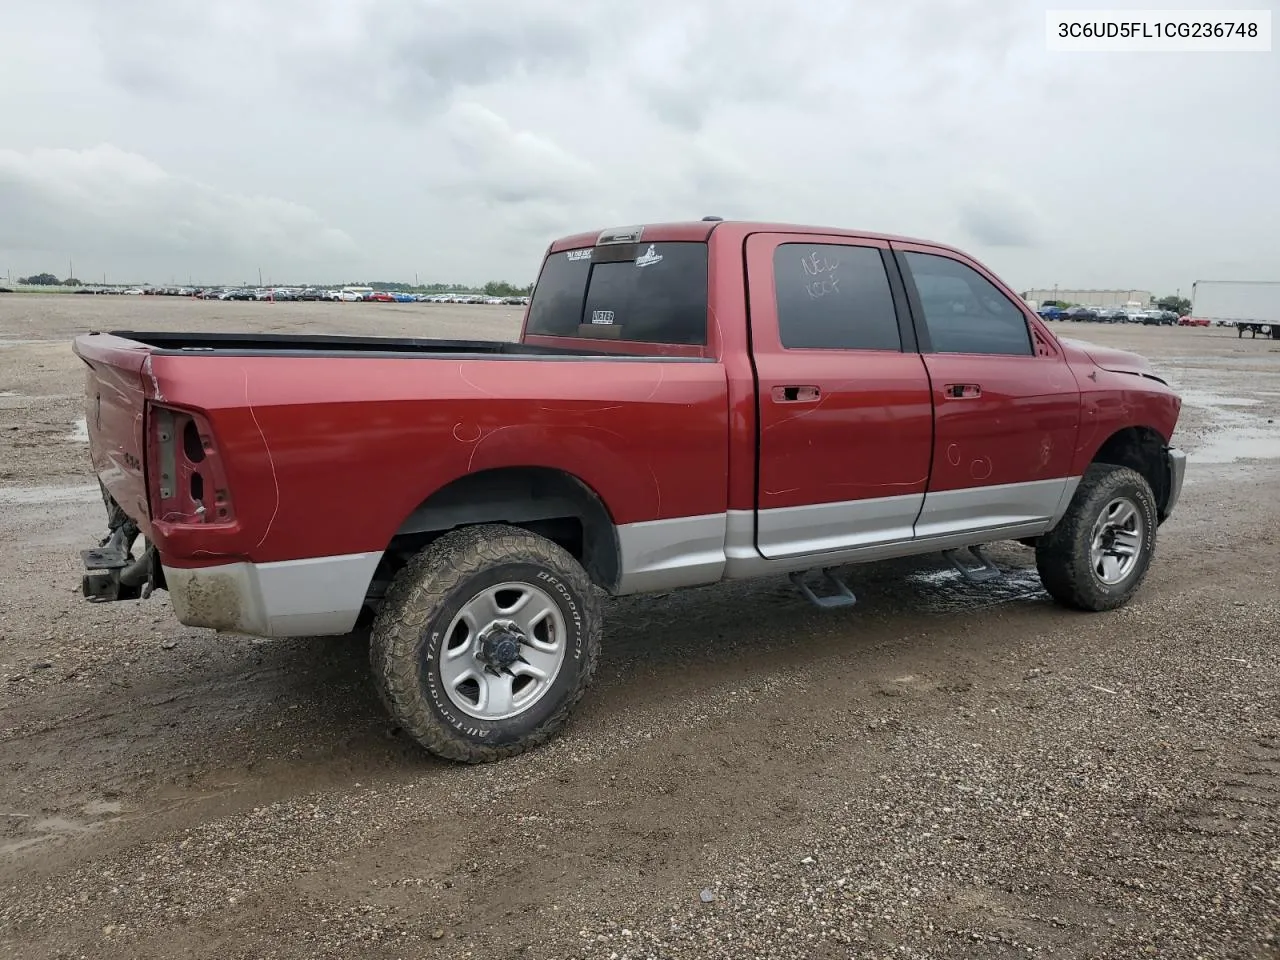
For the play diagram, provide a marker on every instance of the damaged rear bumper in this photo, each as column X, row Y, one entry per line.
column 290, row 598
column 113, row 573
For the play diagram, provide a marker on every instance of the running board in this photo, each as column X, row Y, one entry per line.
column 843, row 596
column 984, row 572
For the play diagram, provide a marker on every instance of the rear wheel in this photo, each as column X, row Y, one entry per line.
column 485, row 643
column 1098, row 554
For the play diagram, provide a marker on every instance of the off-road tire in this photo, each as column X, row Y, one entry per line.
column 421, row 602
column 1062, row 555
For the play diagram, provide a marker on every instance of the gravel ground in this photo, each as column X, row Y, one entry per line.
column 943, row 771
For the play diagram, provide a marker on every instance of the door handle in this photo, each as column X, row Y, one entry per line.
column 962, row 391
column 796, row 394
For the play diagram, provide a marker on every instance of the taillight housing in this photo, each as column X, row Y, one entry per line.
column 185, row 477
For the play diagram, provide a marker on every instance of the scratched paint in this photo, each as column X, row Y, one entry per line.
column 467, row 432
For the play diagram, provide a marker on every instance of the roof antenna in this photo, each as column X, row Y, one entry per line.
column 712, row 218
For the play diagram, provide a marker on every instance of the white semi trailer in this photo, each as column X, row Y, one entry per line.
column 1248, row 305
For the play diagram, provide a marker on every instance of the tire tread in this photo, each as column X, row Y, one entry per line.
column 1062, row 553
column 421, row 588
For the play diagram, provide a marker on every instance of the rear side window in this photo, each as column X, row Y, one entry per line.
column 657, row 294
column 834, row 297
column 964, row 312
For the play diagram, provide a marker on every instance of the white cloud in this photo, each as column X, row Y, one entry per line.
column 107, row 202
column 455, row 138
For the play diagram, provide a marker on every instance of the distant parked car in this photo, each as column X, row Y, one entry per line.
column 1080, row 314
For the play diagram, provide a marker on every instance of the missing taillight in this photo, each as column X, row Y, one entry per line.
column 192, row 445
column 184, row 466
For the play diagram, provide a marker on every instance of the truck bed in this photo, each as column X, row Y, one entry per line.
column 333, row 345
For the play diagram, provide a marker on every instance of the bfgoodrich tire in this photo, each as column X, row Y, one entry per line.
column 1098, row 554
column 485, row 643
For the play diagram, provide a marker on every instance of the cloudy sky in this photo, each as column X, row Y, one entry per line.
column 339, row 140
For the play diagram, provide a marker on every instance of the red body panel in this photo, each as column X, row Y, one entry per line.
column 328, row 455
column 1018, row 424
column 868, row 430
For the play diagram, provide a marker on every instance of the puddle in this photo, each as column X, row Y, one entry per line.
column 86, row 493
column 80, row 434
column 1203, row 398
column 1228, row 446
column 946, row 591
column 98, row 808
column 1241, row 428
column 45, row 830
column 5, row 394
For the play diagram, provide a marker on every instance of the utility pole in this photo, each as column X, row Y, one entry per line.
column 259, row 276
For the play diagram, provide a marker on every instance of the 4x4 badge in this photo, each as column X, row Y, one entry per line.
column 648, row 257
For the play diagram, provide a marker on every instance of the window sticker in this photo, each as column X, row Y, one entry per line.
column 602, row 316
column 584, row 254
column 648, row 257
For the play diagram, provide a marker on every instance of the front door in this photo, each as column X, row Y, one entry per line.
column 1007, row 407
column 845, row 411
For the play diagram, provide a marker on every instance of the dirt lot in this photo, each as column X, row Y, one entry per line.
column 942, row 771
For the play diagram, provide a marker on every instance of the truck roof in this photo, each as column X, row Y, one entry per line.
column 701, row 230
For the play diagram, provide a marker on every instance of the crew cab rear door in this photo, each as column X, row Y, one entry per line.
column 845, row 412
column 1006, row 405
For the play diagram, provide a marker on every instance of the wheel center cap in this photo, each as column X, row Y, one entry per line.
column 499, row 645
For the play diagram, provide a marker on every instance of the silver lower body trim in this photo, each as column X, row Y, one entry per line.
column 794, row 531
column 659, row 555
column 951, row 512
column 691, row 551
column 745, row 561
column 291, row 598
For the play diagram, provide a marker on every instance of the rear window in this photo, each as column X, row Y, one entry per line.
column 645, row 292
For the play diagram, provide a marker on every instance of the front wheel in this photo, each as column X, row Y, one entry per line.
column 485, row 643
column 1098, row 554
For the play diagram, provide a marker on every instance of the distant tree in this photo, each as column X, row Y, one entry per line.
column 40, row 280
column 501, row 288
column 72, row 282
column 1179, row 305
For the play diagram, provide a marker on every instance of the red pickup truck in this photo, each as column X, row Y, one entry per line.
column 687, row 403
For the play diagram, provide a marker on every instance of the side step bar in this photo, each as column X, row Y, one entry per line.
column 842, row 596
column 984, row 572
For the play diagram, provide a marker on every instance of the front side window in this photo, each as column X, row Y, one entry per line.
column 658, row 294
column 964, row 312
column 833, row 297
